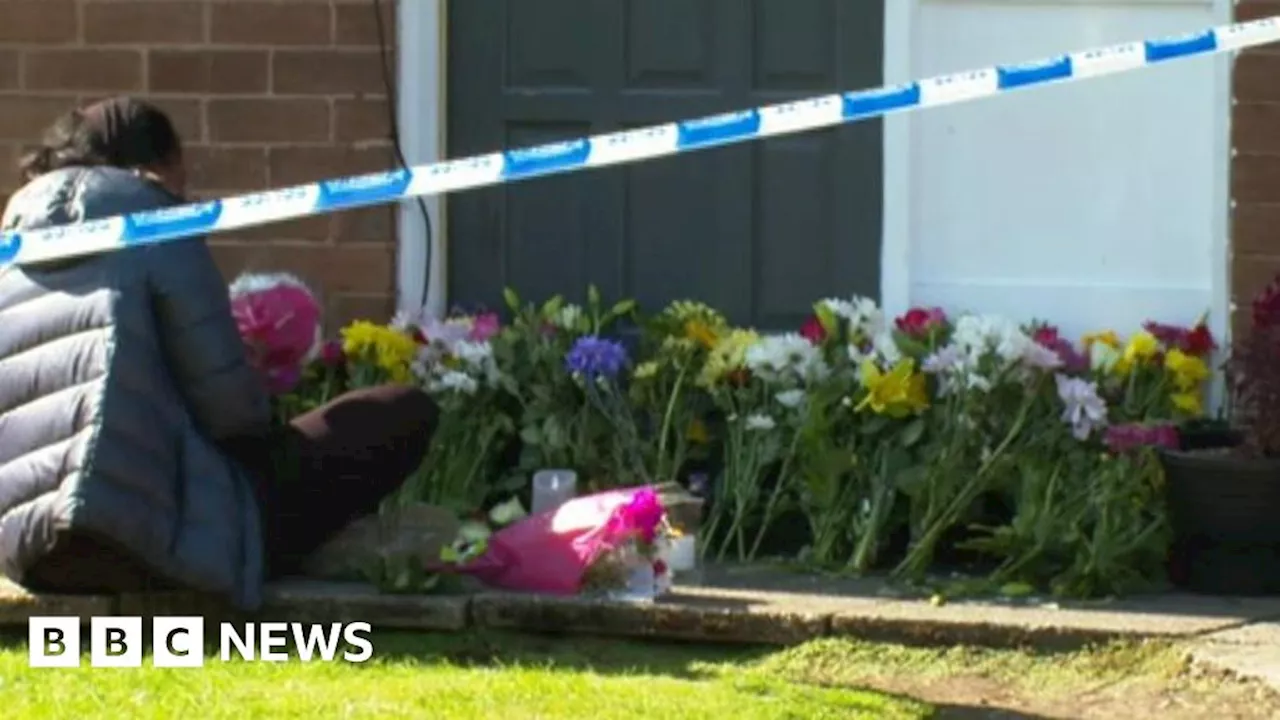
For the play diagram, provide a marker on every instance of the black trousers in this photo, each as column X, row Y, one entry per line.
column 312, row 478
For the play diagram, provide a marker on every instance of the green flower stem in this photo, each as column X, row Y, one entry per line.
column 666, row 428
column 771, row 505
column 864, row 555
column 920, row 555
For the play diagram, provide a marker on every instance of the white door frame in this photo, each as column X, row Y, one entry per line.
column 900, row 20
column 422, row 32
column 895, row 246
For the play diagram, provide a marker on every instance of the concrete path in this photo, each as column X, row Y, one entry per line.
column 1239, row 635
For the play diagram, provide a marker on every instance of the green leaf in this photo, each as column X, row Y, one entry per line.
column 554, row 434
column 593, row 298
column 508, row 512
column 512, row 299
column 827, row 318
column 474, row 532
column 623, row 308
column 912, row 433
column 914, row 481
column 875, row 424
column 1016, row 589
column 531, row 435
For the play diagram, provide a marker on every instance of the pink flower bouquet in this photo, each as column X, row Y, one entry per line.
column 279, row 321
column 599, row 542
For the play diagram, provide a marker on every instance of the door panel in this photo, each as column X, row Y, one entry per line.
column 760, row 230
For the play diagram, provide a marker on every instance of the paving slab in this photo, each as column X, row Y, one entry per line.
column 316, row 601
column 869, row 608
column 737, row 605
column 1251, row 651
column 686, row 614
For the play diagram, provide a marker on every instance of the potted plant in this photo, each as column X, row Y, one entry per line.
column 1224, row 496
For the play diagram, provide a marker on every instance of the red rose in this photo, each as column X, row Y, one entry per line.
column 813, row 331
column 1047, row 335
column 1199, row 341
column 920, row 322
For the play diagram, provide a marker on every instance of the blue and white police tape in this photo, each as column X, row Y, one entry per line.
column 243, row 211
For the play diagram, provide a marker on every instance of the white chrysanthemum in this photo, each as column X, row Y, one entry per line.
column 456, row 381
column 956, row 368
column 760, row 422
column 785, row 357
column 790, row 398
column 864, row 316
column 473, row 354
column 1040, row 357
column 446, row 333
column 978, row 335
column 887, row 348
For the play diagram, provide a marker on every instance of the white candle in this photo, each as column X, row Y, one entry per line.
column 683, row 553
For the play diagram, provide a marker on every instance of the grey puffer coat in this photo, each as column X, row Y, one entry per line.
column 121, row 375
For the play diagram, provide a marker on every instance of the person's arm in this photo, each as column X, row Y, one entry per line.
column 225, row 394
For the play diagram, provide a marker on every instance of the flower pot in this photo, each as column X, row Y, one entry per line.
column 1207, row 435
column 1224, row 510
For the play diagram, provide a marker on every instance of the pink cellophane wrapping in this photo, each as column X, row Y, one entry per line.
column 279, row 321
column 550, row 552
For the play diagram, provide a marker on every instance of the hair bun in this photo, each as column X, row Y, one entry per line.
column 36, row 162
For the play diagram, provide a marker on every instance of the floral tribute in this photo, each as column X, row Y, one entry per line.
column 1254, row 375
column 855, row 442
column 279, row 320
column 607, row 543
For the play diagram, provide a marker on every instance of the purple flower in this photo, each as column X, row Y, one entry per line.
column 331, row 354
column 594, row 357
column 1084, row 410
column 1126, row 438
column 485, row 326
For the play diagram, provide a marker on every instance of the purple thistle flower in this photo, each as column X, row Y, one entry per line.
column 594, row 357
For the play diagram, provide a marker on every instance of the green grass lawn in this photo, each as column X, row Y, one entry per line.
column 522, row 677
column 448, row 676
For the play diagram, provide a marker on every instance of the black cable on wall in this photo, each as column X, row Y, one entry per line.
column 393, row 107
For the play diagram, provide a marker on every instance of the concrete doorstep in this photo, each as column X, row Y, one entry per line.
column 742, row 606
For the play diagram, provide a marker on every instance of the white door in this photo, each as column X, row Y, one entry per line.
column 1095, row 204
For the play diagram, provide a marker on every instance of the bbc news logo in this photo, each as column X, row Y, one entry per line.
column 179, row 642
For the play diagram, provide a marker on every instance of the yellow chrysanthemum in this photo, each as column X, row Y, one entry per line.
column 1189, row 403
column 897, row 393
column 1141, row 347
column 701, row 332
column 685, row 310
column 1188, row 371
column 389, row 349
column 728, row 355
column 1106, row 337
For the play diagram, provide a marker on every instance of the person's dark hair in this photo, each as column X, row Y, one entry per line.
column 122, row 132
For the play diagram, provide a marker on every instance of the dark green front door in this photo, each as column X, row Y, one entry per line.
column 759, row 230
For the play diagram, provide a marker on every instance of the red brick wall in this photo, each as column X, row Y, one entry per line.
column 1255, row 164
column 266, row 94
